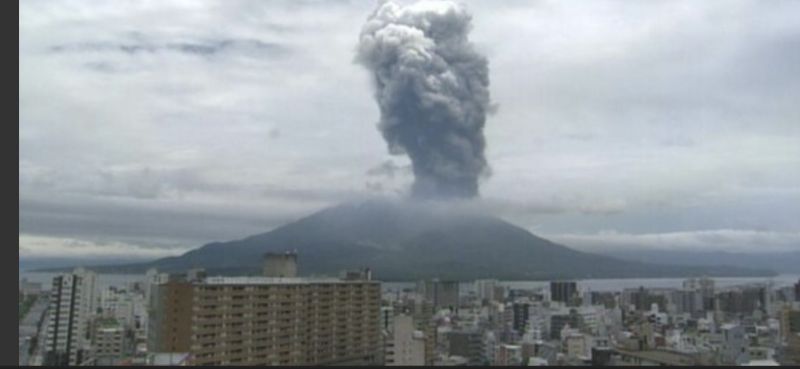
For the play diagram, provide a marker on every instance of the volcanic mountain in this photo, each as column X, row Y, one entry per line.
column 402, row 241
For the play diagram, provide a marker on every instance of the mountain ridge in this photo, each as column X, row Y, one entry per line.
column 408, row 241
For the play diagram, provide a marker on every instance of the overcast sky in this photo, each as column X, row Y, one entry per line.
column 148, row 128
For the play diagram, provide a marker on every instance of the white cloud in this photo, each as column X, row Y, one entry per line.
column 32, row 247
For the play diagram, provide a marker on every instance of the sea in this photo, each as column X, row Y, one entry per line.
column 600, row 285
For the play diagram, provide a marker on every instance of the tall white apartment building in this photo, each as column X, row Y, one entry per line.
column 72, row 304
column 407, row 344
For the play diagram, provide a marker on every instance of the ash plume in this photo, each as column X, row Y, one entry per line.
column 432, row 90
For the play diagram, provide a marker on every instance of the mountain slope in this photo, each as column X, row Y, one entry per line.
column 400, row 241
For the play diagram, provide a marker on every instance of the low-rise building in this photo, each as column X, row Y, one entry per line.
column 110, row 342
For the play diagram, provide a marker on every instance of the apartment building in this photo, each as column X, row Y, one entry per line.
column 72, row 305
column 110, row 341
column 285, row 321
column 275, row 319
column 407, row 345
column 170, row 315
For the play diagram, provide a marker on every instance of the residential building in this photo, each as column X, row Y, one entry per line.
column 407, row 344
column 280, row 264
column 563, row 291
column 508, row 355
column 485, row 289
column 118, row 304
column 72, row 305
column 734, row 345
column 467, row 344
column 443, row 294
column 286, row 321
column 656, row 357
column 110, row 342
column 521, row 312
column 170, row 316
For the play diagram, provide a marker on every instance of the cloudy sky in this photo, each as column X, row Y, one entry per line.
column 151, row 127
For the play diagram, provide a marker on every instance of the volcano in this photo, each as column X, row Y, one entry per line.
column 407, row 241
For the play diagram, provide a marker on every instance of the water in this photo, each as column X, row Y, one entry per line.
column 783, row 280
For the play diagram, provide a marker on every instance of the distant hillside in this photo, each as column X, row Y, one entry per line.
column 781, row 262
column 406, row 242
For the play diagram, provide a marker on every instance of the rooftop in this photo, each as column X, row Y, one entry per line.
column 107, row 323
column 277, row 280
column 660, row 356
column 761, row 363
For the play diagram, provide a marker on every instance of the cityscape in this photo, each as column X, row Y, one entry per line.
column 280, row 318
column 409, row 183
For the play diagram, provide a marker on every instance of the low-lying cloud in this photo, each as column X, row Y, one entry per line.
column 718, row 240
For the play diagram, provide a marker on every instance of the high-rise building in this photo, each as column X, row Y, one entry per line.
column 643, row 299
column 280, row 264
column 170, row 315
column 521, row 314
column 743, row 300
column 485, row 289
column 688, row 301
column 443, row 294
column 797, row 291
column 705, row 287
column 790, row 331
column 268, row 320
column 407, row 344
column 286, row 321
column 387, row 318
column 72, row 305
column 558, row 321
column 563, row 291
column 424, row 321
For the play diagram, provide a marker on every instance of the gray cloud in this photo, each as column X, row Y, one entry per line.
column 612, row 119
column 200, row 48
column 388, row 169
column 162, row 223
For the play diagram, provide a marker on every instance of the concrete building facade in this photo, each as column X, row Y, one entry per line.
column 285, row 321
column 563, row 291
column 407, row 345
column 72, row 304
column 109, row 342
column 280, row 265
column 170, row 316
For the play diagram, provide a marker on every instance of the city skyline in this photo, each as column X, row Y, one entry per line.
column 280, row 318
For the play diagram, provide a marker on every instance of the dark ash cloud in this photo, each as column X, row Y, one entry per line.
column 432, row 90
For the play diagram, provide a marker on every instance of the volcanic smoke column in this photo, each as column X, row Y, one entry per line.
column 432, row 90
